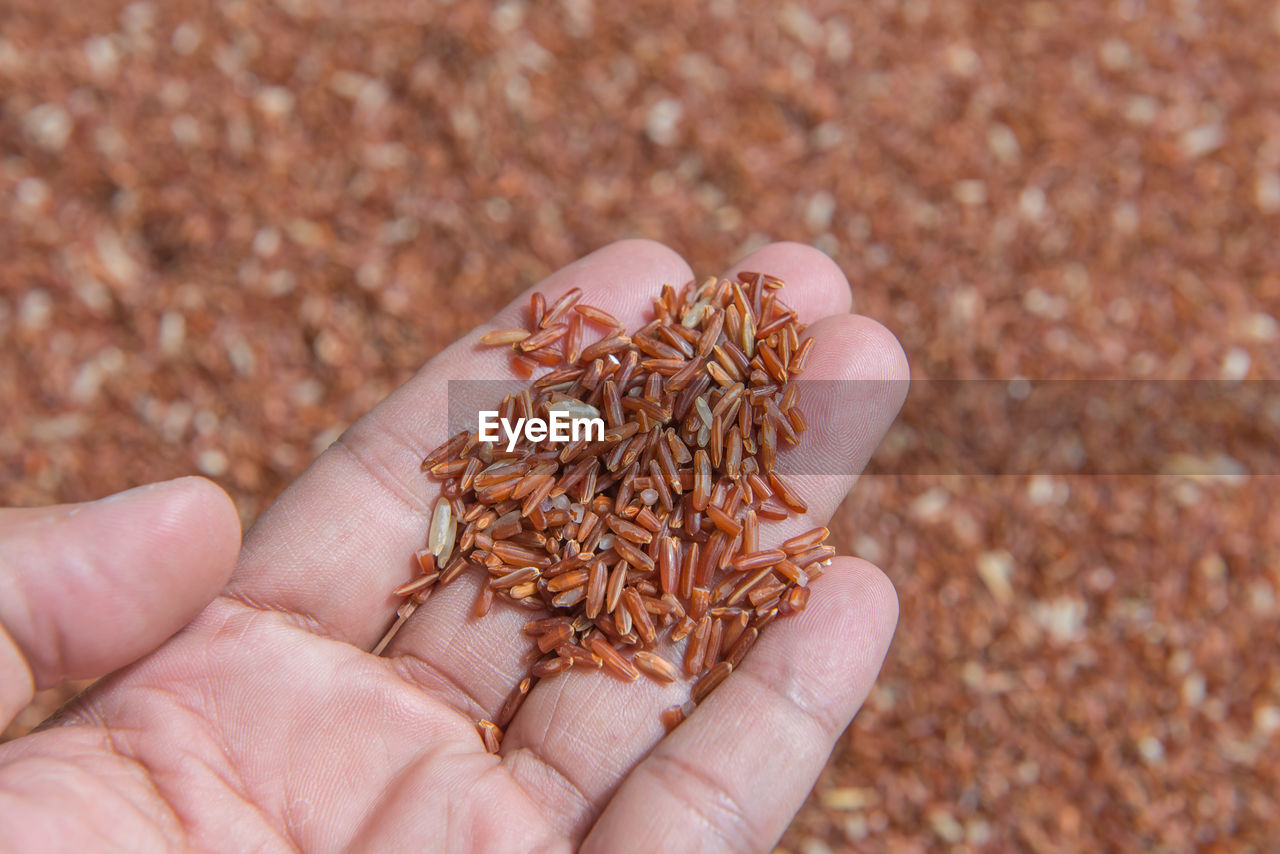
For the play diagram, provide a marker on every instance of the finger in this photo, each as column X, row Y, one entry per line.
column 476, row 663
column 859, row 375
column 591, row 730
column 342, row 536
column 739, row 768
column 87, row 588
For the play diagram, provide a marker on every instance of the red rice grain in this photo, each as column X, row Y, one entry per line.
column 514, row 702
column 710, row 680
column 672, row 717
column 696, row 651
column 500, row 337
column 484, row 601
column 490, row 735
column 613, row 660
column 655, row 666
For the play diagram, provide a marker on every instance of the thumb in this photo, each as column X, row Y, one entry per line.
column 87, row 588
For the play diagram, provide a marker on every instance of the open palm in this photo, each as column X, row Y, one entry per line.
column 264, row 723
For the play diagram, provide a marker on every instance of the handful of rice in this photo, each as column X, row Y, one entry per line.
column 632, row 543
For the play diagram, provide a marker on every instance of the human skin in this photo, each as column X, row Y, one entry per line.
column 245, row 712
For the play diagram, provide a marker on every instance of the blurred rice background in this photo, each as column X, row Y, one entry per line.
column 230, row 228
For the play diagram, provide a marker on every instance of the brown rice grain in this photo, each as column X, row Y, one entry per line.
column 550, row 666
column 689, row 569
column 598, row 316
column 803, row 542
column 654, row 665
column 696, row 651
column 723, row 521
column 501, row 337
column 792, row 573
column 484, row 601
column 535, row 628
column 569, row 598
column 567, row 580
column 671, row 718
column 811, row 556
column 747, row 584
column 596, row 580
column 750, row 531
column 742, row 645
column 640, row 619
column 749, row 561
column 629, row 530
column 733, row 629
column 513, row 703
column 426, row 562
column 555, row 637
column 710, row 681
column 613, row 660
column 511, row 579
column 669, row 564
column 714, row 640
column 543, row 338
column 613, row 592
column 490, row 735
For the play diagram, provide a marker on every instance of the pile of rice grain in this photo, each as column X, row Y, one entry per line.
column 651, row 536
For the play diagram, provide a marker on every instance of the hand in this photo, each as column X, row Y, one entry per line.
column 265, row 724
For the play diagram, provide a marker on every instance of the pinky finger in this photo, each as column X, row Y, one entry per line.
column 734, row 774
